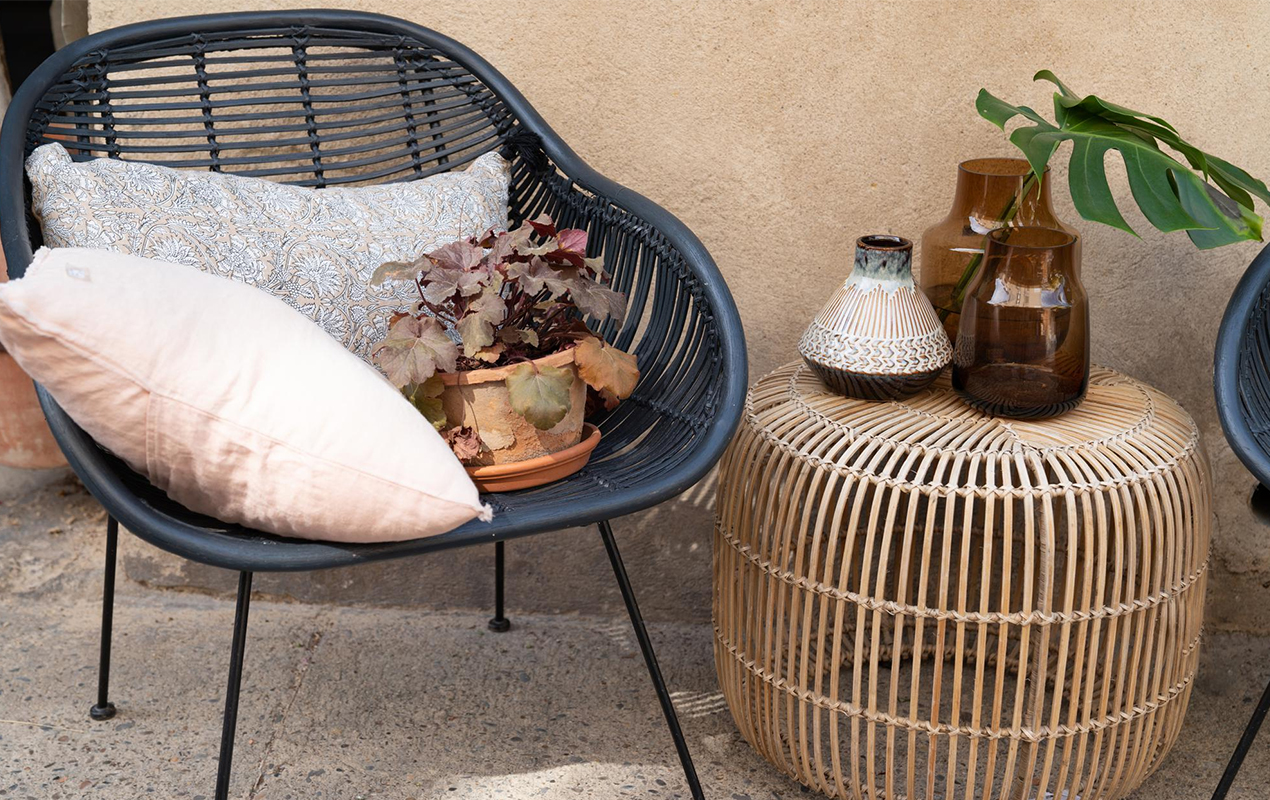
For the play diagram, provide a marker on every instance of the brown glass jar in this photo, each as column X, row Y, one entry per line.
column 985, row 201
column 1023, row 342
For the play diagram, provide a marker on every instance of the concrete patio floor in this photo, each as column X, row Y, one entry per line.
column 345, row 702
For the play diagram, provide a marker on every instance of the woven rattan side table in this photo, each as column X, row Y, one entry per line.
column 916, row 600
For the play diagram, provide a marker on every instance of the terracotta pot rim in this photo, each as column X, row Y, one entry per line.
column 590, row 439
column 478, row 376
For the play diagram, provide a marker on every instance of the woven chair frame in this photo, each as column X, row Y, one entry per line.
column 914, row 600
column 334, row 98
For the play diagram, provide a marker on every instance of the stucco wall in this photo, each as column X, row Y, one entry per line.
column 780, row 131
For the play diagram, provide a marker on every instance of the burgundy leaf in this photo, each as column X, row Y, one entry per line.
column 414, row 350
column 460, row 255
column 543, row 226
column 573, row 239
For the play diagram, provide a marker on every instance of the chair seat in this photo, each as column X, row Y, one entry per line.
column 620, row 478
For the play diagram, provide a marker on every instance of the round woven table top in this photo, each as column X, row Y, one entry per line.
column 1124, row 432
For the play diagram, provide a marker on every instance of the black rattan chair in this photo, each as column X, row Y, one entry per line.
column 1241, row 380
column 325, row 98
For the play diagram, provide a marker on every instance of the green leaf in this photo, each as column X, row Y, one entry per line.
column 1087, row 181
column 1171, row 195
column 540, row 394
column 999, row 112
column 426, row 397
column 606, row 368
column 414, row 349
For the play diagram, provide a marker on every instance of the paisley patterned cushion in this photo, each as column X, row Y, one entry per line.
column 313, row 248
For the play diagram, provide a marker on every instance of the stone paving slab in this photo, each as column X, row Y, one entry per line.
column 404, row 704
column 377, row 703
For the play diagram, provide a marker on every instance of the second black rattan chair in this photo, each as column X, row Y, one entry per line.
column 326, row 98
column 1241, row 380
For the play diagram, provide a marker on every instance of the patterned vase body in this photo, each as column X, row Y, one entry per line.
column 878, row 337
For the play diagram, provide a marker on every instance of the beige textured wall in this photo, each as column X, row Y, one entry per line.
column 780, row 131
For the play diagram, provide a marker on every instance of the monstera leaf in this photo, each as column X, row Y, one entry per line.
column 1171, row 196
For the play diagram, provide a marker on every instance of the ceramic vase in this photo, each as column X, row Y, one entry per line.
column 878, row 337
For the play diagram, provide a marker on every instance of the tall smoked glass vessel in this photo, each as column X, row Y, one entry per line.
column 985, row 201
column 1023, row 344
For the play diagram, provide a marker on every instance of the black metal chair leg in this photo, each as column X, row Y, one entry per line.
column 499, row 623
column 650, row 659
column 235, row 682
column 103, row 709
column 1245, row 743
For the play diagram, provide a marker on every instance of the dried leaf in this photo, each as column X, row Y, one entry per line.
column 597, row 300
column 414, row 349
column 464, row 441
column 600, row 400
column 606, row 368
column 394, row 271
column 492, row 353
column 540, row 394
column 596, row 265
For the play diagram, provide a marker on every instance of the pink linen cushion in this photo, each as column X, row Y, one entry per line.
column 230, row 401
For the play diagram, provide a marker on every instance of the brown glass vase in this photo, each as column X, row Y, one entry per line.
column 987, row 189
column 1023, row 342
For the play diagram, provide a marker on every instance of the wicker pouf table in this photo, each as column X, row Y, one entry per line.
column 917, row 600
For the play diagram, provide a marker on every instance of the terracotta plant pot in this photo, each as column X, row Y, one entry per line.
column 537, row 471
column 25, row 440
column 479, row 400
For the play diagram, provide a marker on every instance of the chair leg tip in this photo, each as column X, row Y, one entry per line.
column 101, row 713
column 500, row 625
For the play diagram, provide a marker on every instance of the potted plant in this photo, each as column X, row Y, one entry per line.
column 1176, row 185
column 496, row 355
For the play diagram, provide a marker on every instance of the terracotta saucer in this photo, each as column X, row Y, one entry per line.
column 537, row 471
